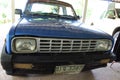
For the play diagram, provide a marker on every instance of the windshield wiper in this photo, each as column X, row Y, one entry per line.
column 51, row 15
column 44, row 14
column 67, row 16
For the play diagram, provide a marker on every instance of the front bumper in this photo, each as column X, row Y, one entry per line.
column 46, row 63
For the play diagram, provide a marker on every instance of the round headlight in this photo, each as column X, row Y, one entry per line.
column 103, row 45
column 24, row 45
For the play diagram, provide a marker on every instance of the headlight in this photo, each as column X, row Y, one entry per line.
column 24, row 45
column 103, row 45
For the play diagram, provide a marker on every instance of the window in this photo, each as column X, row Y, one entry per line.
column 118, row 12
column 44, row 8
column 49, row 8
column 110, row 14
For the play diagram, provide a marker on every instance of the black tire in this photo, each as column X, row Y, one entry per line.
column 116, row 47
column 15, row 74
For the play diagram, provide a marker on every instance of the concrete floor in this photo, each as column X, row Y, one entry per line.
column 106, row 73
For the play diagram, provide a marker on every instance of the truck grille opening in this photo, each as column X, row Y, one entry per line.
column 52, row 45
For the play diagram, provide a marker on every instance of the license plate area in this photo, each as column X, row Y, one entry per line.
column 68, row 69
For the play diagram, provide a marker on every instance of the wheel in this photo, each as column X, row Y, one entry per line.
column 116, row 47
column 115, row 36
column 15, row 74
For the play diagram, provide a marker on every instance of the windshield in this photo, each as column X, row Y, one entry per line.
column 37, row 9
column 118, row 12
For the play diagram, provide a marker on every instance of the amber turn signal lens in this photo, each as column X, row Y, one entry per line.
column 23, row 66
column 104, row 61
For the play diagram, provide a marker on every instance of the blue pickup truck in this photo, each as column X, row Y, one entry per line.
column 49, row 38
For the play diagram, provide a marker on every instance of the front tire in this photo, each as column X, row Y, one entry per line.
column 116, row 47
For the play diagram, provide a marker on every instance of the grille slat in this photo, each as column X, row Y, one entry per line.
column 52, row 45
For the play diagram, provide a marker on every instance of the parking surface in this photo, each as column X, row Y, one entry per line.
column 106, row 73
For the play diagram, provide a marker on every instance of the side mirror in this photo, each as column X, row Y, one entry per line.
column 111, row 17
column 91, row 24
column 78, row 17
column 18, row 11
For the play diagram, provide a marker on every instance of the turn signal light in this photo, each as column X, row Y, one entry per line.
column 23, row 66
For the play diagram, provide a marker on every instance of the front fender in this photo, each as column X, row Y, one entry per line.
column 6, row 60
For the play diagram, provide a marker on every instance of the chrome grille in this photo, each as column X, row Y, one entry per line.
column 52, row 45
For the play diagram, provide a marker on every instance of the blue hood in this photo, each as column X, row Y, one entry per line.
column 56, row 28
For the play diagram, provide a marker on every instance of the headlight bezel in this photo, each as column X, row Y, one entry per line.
column 107, row 42
column 13, row 44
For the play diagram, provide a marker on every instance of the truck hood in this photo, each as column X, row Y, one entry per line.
column 57, row 29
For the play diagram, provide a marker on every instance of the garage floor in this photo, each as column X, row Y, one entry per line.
column 106, row 73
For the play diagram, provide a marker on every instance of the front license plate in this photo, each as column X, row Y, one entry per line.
column 69, row 69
